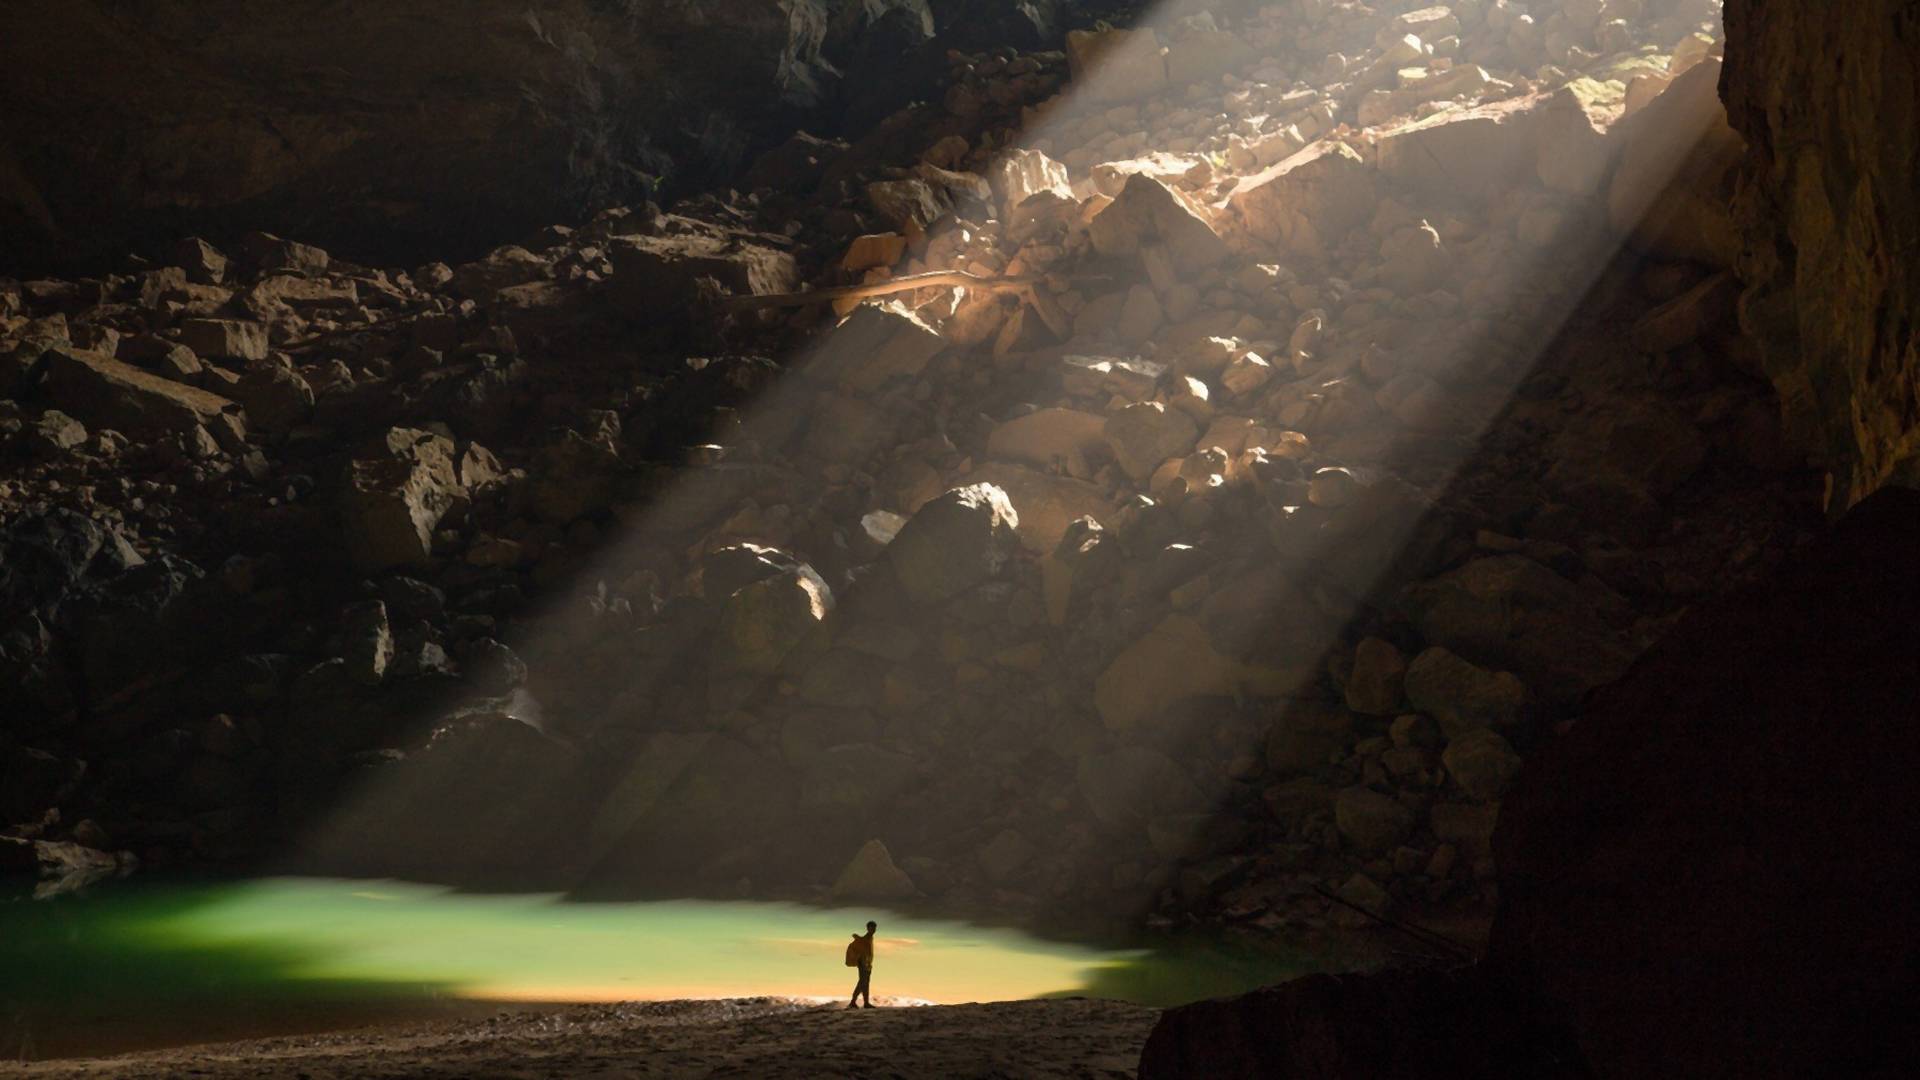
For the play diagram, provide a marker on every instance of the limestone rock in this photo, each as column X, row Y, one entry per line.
column 1481, row 763
column 1511, row 612
column 876, row 343
column 1045, row 504
column 761, row 623
column 1146, row 434
column 871, row 875
column 1048, row 437
column 391, row 503
column 1462, row 152
column 1172, row 662
column 274, row 394
column 1670, row 193
column 109, row 394
column 1373, row 687
column 655, row 276
column 1308, row 203
column 1373, row 823
column 1462, row 696
column 1148, row 211
column 225, row 339
column 954, row 542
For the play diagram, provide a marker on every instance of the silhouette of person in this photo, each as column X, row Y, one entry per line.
column 862, row 949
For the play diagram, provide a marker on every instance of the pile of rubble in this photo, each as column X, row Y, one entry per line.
column 1322, row 459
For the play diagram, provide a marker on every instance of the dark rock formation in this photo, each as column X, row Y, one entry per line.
column 1830, row 108
column 380, row 128
column 1713, row 874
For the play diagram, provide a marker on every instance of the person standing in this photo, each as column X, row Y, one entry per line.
column 860, row 955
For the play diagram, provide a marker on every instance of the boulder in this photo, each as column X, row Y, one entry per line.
column 1481, row 763
column 106, row 393
column 1307, row 203
column 1461, row 696
column 1045, row 504
column 657, row 276
column 1048, row 437
column 1373, row 687
column 1508, row 611
column 1671, row 194
column 1175, row 661
column 878, row 342
column 1149, row 212
column 274, row 394
column 1131, row 785
column 1370, row 821
column 391, row 502
column 1116, row 65
column 225, row 339
column 1461, row 154
column 954, row 542
column 762, row 622
column 1145, row 434
column 871, row 875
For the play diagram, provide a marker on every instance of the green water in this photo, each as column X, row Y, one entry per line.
column 153, row 965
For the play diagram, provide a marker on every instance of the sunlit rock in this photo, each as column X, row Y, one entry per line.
column 1146, row 434
column 1045, row 504
column 1148, row 211
column 954, row 542
column 878, row 342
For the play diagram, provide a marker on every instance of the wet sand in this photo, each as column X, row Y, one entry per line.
column 736, row 1037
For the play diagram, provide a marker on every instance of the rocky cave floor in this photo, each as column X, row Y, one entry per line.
column 1358, row 389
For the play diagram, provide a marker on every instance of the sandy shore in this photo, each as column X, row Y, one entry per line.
column 739, row 1037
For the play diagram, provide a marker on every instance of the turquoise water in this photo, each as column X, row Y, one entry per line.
column 153, row 965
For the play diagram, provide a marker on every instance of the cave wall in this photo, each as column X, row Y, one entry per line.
column 1830, row 225
column 375, row 127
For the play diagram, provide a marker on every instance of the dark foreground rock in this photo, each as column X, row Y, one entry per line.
column 1396, row 1024
column 1711, row 875
column 1746, row 907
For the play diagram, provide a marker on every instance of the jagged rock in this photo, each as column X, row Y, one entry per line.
column 878, row 342
column 1148, row 211
column 574, row 476
column 502, row 268
column 275, row 396
column 907, row 204
column 225, row 339
column 873, row 250
column 1145, row 434
column 1462, row 696
column 55, row 431
column 1373, row 823
column 1574, row 153
column 954, row 542
column 1373, row 687
column 107, row 393
column 391, row 503
column 1481, row 763
column 1022, row 174
column 1308, row 203
column 657, row 276
column 871, row 875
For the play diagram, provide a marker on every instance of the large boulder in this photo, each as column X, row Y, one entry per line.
column 1149, row 212
column 1308, row 202
column 877, row 342
column 392, row 501
column 1509, row 612
column 1175, row 661
column 954, row 542
column 106, row 393
column 659, row 276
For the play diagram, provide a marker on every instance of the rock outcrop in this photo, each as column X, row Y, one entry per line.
column 1828, row 227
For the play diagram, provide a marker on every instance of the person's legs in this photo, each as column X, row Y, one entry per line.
column 860, row 987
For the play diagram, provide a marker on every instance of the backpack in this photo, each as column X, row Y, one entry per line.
column 854, row 952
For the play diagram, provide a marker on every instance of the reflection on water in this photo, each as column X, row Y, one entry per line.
column 183, row 964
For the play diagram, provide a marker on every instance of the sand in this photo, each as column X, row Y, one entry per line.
column 738, row 1037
